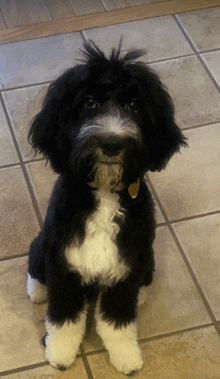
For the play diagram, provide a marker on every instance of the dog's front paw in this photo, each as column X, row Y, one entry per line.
column 62, row 342
column 60, row 355
column 127, row 358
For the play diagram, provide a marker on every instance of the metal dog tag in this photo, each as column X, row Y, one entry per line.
column 133, row 189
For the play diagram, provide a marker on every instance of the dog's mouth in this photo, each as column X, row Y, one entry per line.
column 107, row 174
column 109, row 163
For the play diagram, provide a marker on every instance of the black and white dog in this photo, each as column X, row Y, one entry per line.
column 103, row 125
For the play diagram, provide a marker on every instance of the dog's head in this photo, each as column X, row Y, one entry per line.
column 107, row 118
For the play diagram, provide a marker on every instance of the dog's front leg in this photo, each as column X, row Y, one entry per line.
column 115, row 317
column 65, row 326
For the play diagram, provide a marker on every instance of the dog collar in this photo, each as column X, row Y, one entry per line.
column 133, row 188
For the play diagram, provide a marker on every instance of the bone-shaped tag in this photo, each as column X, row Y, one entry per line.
column 133, row 189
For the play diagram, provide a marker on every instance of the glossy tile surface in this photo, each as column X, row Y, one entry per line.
column 203, row 27
column 37, row 60
column 212, row 61
column 204, row 255
column 47, row 372
column 22, row 323
column 195, row 97
column 22, row 105
column 8, row 152
column 42, row 178
column 190, row 184
column 160, row 37
column 179, row 325
column 189, row 355
column 18, row 223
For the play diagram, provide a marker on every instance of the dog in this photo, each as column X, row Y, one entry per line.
column 104, row 123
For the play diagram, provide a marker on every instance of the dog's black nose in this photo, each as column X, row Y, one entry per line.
column 112, row 146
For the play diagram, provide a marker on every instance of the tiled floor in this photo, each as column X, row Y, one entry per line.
column 179, row 326
column 16, row 13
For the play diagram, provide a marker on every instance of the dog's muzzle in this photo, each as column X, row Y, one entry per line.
column 102, row 145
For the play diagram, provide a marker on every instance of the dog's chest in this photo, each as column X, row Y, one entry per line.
column 98, row 258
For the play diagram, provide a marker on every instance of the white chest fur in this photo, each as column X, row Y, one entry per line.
column 98, row 258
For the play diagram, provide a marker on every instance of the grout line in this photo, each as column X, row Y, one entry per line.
column 104, row 18
column 86, row 363
column 99, row 351
column 186, row 261
column 106, row 10
column 157, row 337
column 49, row 11
column 26, row 86
column 200, row 126
column 23, row 369
column 196, row 52
column 12, row 257
column 170, row 334
column 24, row 170
column 30, row 367
column 11, row 165
column 72, row 9
column 83, row 36
column 170, row 59
column 209, row 51
column 196, row 282
column 3, row 18
column 194, row 217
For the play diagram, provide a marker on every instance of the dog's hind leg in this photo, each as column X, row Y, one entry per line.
column 115, row 317
column 36, row 286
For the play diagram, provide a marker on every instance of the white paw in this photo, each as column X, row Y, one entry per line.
column 142, row 295
column 127, row 357
column 121, row 344
column 63, row 342
column 59, row 353
column 36, row 291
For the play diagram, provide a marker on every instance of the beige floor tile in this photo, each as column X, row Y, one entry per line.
column 173, row 302
column 203, row 27
column 38, row 60
column 158, row 215
column 22, row 105
column 42, row 178
column 8, row 152
column 212, row 60
column 77, row 371
column 22, row 325
column 2, row 22
column 160, row 36
column 59, row 9
column 118, row 4
column 18, row 223
column 190, row 183
column 200, row 241
column 192, row 355
column 82, row 7
column 19, row 13
column 195, row 97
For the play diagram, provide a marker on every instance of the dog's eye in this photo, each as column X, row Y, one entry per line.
column 133, row 105
column 90, row 102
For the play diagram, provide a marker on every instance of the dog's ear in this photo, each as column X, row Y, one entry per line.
column 49, row 132
column 162, row 137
